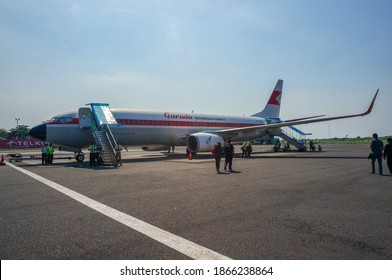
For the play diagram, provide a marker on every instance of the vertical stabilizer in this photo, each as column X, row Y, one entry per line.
column 272, row 109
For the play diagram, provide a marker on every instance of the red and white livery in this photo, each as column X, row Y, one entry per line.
column 199, row 132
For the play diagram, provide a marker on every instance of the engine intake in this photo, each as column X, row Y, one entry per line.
column 203, row 142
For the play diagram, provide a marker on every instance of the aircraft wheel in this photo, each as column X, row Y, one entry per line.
column 79, row 157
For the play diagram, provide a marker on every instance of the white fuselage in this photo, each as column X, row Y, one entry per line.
column 148, row 127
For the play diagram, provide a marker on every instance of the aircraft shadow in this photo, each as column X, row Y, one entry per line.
column 184, row 159
column 311, row 157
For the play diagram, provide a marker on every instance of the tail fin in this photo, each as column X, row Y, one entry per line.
column 272, row 109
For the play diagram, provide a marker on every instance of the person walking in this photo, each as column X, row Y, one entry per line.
column 229, row 154
column 388, row 154
column 377, row 147
column 218, row 153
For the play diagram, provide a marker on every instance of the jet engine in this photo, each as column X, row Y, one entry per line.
column 203, row 142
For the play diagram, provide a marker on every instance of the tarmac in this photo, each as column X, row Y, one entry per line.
column 312, row 205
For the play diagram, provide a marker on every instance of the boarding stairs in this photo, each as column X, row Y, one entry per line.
column 299, row 145
column 284, row 135
column 100, row 127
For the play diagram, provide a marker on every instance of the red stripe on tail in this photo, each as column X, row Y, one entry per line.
column 275, row 98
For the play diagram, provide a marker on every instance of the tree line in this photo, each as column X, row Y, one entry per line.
column 20, row 132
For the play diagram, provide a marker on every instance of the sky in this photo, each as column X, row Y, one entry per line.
column 207, row 56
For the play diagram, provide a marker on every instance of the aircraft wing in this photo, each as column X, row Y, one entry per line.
column 228, row 133
column 313, row 117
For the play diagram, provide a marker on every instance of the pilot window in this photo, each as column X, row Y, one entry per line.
column 64, row 119
column 61, row 119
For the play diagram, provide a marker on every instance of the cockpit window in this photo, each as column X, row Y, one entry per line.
column 61, row 119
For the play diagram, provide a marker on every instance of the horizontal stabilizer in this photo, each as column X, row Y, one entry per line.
column 299, row 131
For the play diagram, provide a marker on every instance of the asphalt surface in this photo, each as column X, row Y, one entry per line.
column 313, row 205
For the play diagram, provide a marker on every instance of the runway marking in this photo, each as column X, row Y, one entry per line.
column 171, row 240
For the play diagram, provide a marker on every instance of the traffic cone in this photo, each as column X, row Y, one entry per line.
column 190, row 155
column 2, row 160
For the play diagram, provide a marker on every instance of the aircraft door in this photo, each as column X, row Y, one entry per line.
column 85, row 117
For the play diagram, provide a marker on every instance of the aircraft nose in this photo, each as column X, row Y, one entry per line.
column 38, row 132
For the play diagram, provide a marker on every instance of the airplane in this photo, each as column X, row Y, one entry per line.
column 159, row 130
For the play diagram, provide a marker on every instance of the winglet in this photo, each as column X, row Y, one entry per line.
column 371, row 105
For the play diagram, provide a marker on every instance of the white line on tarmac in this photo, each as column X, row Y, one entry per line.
column 173, row 241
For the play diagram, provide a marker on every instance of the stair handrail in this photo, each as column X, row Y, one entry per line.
column 106, row 137
column 95, row 133
column 286, row 137
column 110, row 137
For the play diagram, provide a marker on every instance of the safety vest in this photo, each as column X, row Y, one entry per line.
column 50, row 150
